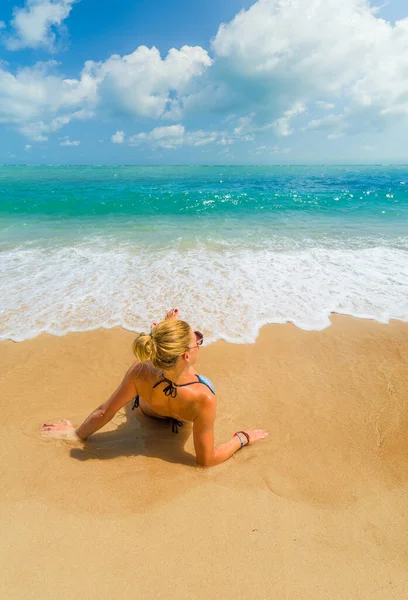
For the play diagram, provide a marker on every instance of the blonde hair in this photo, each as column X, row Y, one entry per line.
column 163, row 347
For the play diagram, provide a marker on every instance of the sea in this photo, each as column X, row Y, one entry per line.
column 232, row 247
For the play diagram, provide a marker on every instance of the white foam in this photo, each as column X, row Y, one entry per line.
column 229, row 292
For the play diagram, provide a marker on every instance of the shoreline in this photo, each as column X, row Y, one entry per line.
column 332, row 315
column 318, row 510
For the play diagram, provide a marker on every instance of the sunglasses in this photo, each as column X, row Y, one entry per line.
column 199, row 340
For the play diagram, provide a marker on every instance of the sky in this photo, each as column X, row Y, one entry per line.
column 203, row 82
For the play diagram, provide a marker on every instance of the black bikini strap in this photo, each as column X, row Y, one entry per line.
column 171, row 388
column 175, row 424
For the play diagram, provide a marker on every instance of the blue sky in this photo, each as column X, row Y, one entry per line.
column 231, row 82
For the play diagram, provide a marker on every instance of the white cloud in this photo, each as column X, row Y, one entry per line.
column 281, row 53
column 328, row 122
column 37, row 101
column 267, row 150
column 282, row 125
column 175, row 136
column 65, row 141
column 172, row 136
column 261, row 150
column 335, row 125
column 38, row 24
column 27, row 147
column 201, row 138
column 274, row 68
column 2, row 25
column 245, row 124
column 325, row 105
column 225, row 141
column 142, row 84
column 118, row 137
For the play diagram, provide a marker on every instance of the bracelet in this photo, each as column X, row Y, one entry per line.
column 240, row 439
column 246, row 435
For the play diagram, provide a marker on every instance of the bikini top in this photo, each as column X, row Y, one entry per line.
column 171, row 390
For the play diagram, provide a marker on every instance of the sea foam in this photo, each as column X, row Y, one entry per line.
column 229, row 291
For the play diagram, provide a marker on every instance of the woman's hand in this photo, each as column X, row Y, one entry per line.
column 61, row 430
column 256, row 434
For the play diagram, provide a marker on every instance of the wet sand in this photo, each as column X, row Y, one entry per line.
column 317, row 511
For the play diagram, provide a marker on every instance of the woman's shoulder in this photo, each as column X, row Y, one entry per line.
column 205, row 400
column 207, row 382
column 141, row 370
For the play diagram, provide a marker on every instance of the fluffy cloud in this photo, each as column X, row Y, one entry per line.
column 325, row 105
column 280, row 54
column 38, row 24
column 279, row 66
column 266, row 150
column 170, row 137
column 201, row 138
column 143, row 85
column 36, row 101
column 282, row 125
column 334, row 123
column 118, row 137
column 175, row 136
column 65, row 141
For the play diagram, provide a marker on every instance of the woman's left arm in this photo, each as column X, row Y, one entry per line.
column 104, row 413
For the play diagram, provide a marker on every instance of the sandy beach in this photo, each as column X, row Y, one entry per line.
column 317, row 511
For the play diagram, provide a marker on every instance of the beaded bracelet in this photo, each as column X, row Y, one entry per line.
column 245, row 434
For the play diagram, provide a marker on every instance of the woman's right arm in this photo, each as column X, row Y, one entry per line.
column 203, row 434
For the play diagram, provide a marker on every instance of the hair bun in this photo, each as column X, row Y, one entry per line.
column 164, row 345
column 144, row 347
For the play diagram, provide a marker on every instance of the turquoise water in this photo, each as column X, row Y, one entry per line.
column 232, row 247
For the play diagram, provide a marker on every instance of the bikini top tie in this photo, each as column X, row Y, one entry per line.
column 171, row 391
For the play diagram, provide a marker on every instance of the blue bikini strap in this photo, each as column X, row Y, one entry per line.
column 171, row 388
column 207, row 382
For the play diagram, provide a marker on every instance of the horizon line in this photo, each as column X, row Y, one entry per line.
column 317, row 164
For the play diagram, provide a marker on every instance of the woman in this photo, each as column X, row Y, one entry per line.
column 166, row 386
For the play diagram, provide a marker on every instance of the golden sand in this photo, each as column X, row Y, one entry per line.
column 317, row 511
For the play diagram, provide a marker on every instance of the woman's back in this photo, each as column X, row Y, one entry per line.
column 155, row 395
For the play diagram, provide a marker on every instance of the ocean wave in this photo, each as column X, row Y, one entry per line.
column 229, row 292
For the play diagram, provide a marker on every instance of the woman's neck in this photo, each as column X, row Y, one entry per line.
column 178, row 373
